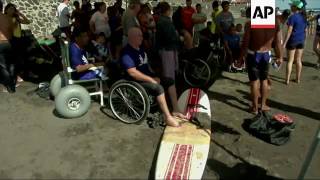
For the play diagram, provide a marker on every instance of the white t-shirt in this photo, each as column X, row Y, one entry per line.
column 101, row 23
column 63, row 15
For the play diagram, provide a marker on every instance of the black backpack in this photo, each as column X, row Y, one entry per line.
column 266, row 128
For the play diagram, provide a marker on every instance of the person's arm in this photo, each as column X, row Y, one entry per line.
column 289, row 32
column 76, row 60
column 278, row 48
column 128, row 64
column 198, row 20
column 245, row 42
column 290, row 24
column 83, row 68
column 139, row 76
column 73, row 15
column 226, row 46
column 22, row 18
column 218, row 24
column 92, row 23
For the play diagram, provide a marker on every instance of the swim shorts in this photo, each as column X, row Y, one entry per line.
column 157, row 89
column 258, row 65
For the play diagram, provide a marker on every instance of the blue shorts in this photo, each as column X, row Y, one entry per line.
column 258, row 65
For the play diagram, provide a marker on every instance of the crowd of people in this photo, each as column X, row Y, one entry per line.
column 143, row 34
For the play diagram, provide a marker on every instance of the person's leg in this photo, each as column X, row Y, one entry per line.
column 291, row 54
column 188, row 40
column 254, row 83
column 170, row 121
column 172, row 92
column 298, row 61
column 254, row 87
column 316, row 47
column 168, row 64
column 265, row 94
column 6, row 79
column 158, row 91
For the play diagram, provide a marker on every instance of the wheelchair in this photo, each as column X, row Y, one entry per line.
column 201, row 66
column 128, row 100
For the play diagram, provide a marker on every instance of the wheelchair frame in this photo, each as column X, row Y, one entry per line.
column 68, row 71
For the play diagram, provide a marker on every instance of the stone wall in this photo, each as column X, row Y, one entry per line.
column 42, row 13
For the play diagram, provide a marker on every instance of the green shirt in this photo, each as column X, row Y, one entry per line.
column 214, row 16
column 201, row 26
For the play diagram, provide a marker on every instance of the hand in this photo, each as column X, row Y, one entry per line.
column 284, row 45
column 157, row 80
column 90, row 66
column 279, row 61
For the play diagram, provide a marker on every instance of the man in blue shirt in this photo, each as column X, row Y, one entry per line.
column 79, row 61
column 232, row 45
column 134, row 60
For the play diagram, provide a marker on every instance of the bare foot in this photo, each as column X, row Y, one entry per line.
column 269, row 87
column 287, row 82
column 179, row 115
column 297, row 81
column 253, row 110
column 265, row 108
column 171, row 121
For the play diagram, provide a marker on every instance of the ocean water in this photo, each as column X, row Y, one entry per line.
column 311, row 4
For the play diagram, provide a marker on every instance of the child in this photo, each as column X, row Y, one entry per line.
column 199, row 19
column 232, row 47
column 101, row 50
column 239, row 29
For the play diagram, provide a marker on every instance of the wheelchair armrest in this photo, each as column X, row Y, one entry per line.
column 91, row 59
column 70, row 70
column 86, row 81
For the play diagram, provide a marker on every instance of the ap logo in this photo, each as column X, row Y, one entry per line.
column 263, row 14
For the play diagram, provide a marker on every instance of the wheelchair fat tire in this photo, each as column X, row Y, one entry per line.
column 56, row 84
column 197, row 73
column 129, row 102
column 72, row 101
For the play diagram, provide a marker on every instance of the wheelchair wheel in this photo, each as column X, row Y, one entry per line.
column 197, row 73
column 129, row 102
column 56, row 84
column 72, row 101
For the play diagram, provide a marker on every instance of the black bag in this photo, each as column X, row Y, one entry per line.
column 264, row 127
column 43, row 90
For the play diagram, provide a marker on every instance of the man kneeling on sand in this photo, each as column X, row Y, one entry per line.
column 134, row 60
column 257, row 44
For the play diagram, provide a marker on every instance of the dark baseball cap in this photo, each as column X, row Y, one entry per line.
column 224, row 3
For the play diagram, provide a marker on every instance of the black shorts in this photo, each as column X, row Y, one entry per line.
column 157, row 89
column 258, row 66
column 295, row 46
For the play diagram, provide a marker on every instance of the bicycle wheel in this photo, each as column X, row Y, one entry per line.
column 196, row 73
column 129, row 102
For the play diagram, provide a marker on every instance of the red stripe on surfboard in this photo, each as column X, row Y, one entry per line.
column 194, row 100
column 180, row 162
column 189, row 102
column 173, row 152
column 187, row 163
column 173, row 161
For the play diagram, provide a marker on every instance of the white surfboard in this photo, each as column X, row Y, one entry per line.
column 184, row 151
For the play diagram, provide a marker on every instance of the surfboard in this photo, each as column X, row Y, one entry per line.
column 184, row 150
